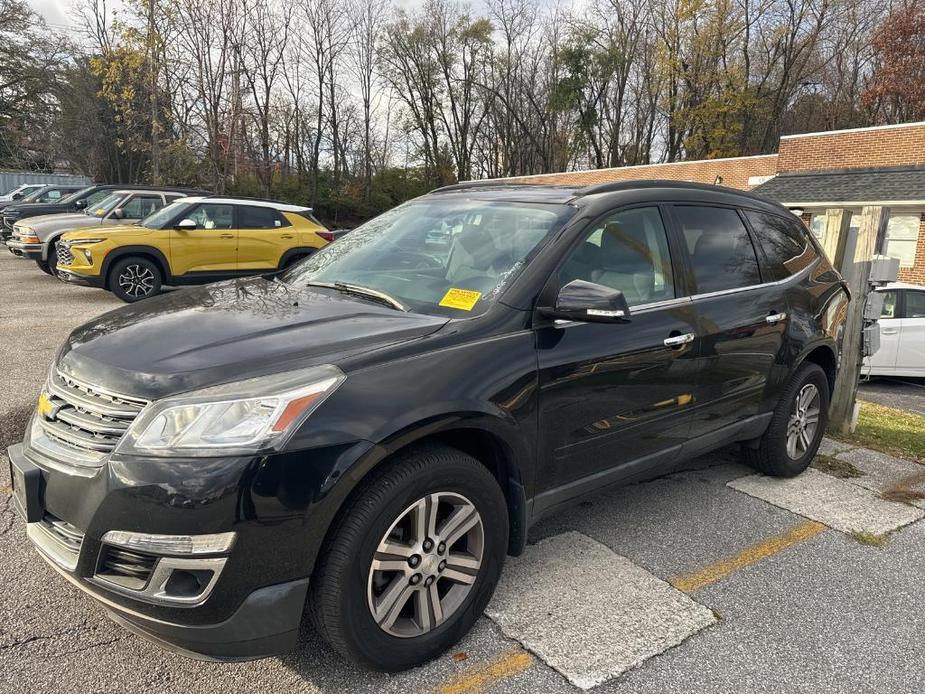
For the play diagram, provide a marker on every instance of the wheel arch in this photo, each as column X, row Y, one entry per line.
column 823, row 354
column 148, row 252
column 295, row 253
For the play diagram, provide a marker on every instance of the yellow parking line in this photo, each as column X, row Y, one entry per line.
column 506, row 665
column 714, row 572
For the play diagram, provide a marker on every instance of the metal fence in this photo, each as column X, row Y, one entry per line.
column 13, row 179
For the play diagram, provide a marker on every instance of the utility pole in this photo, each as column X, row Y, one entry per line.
column 155, row 125
column 856, row 248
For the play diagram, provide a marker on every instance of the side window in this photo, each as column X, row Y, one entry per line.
column 627, row 251
column 51, row 196
column 140, row 206
column 212, row 216
column 721, row 252
column 889, row 305
column 915, row 304
column 784, row 243
column 258, row 218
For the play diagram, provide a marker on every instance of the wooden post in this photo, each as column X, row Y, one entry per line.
column 857, row 250
column 837, row 223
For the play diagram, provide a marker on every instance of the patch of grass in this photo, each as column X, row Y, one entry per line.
column 892, row 431
column 902, row 496
column 835, row 467
column 869, row 539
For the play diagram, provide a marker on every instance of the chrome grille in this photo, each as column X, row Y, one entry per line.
column 57, row 539
column 65, row 257
column 85, row 418
column 63, row 532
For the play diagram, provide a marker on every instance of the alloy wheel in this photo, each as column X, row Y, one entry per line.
column 803, row 422
column 426, row 564
column 136, row 280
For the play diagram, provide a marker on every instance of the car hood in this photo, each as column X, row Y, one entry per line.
column 32, row 209
column 230, row 331
column 104, row 231
column 50, row 223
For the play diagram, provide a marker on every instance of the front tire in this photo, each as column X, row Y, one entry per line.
column 790, row 443
column 412, row 560
column 43, row 266
column 135, row 278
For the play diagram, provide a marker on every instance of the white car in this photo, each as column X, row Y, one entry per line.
column 21, row 192
column 902, row 333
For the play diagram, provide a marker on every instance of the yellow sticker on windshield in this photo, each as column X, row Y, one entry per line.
column 463, row 299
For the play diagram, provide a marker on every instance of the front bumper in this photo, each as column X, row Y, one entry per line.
column 77, row 278
column 25, row 250
column 253, row 610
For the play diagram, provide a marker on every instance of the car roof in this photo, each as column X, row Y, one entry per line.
column 252, row 202
column 648, row 189
column 165, row 191
column 899, row 285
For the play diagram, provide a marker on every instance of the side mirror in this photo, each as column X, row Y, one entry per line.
column 17, row 196
column 185, row 225
column 80, row 204
column 589, row 303
column 118, row 213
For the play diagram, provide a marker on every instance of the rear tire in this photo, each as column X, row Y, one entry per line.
column 135, row 278
column 790, row 443
column 439, row 585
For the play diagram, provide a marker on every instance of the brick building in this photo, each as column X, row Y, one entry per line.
column 842, row 169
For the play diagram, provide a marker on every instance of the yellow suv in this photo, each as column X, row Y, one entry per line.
column 191, row 241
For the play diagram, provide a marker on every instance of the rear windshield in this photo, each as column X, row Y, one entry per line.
column 446, row 257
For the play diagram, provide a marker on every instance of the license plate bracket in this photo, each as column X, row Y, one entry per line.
column 27, row 488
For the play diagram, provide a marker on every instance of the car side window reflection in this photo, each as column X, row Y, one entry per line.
column 627, row 251
column 915, row 304
column 212, row 216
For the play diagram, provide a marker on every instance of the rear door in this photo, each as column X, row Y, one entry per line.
column 741, row 323
column 614, row 398
column 910, row 358
column 263, row 236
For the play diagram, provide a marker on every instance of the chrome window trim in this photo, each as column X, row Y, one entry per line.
column 737, row 290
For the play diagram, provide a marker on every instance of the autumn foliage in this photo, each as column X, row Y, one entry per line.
column 897, row 86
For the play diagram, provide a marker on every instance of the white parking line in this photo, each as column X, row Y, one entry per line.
column 588, row 612
column 834, row 502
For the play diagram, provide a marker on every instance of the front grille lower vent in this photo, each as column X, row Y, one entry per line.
column 126, row 568
column 63, row 533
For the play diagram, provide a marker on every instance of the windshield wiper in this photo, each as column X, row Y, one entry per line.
column 365, row 292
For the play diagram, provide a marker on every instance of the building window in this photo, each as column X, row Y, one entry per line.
column 817, row 227
column 902, row 235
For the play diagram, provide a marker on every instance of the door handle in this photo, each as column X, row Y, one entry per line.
column 678, row 340
column 287, row 236
column 775, row 318
column 888, row 331
column 226, row 236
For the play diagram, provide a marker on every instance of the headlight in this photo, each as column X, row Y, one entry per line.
column 259, row 414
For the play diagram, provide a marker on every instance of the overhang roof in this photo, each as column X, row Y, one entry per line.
column 847, row 186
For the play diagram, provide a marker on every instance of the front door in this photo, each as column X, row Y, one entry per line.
column 883, row 361
column 910, row 359
column 614, row 398
column 209, row 248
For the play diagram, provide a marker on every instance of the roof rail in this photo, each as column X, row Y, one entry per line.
column 636, row 184
column 253, row 199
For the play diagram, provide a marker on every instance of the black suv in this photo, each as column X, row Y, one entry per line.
column 369, row 433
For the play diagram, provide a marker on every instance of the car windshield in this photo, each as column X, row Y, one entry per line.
column 106, row 205
column 440, row 256
column 157, row 220
column 75, row 196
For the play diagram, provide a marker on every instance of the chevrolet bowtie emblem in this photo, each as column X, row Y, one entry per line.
column 46, row 407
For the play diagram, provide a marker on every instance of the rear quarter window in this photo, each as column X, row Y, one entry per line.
column 785, row 244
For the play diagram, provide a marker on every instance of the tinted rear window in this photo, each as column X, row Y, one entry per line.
column 721, row 252
column 784, row 242
column 258, row 218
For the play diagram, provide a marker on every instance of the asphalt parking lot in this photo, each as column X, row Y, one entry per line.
column 709, row 580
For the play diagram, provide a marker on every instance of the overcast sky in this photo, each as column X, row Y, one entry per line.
column 54, row 11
